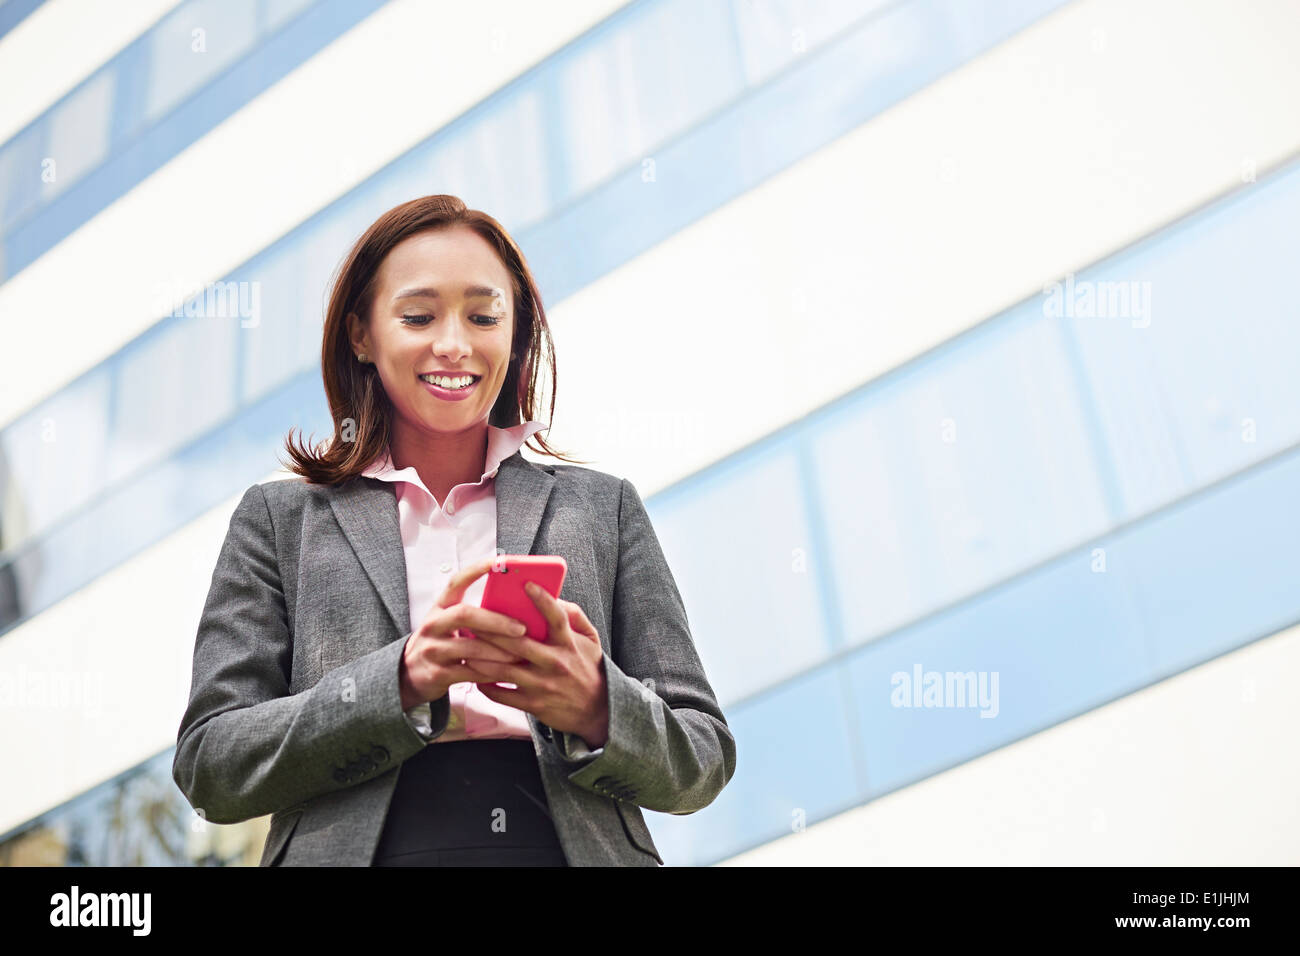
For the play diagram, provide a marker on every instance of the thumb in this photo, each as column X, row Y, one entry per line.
column 578, row 621
column 462, row 579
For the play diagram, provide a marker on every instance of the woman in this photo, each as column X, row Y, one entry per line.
column 346, row 680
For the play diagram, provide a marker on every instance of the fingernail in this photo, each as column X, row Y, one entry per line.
column 519, row 630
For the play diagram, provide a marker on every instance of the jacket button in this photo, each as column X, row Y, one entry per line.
column 379, row 754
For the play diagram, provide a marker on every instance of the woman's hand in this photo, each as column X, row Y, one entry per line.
column 561, row 681
column 435, row 656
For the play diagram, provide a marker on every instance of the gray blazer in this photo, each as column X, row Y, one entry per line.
column 295, row 711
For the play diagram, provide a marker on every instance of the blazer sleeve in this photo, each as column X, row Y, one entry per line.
column 247, row 746
column 669, row 746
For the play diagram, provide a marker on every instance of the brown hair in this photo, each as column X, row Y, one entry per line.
column 355, row 393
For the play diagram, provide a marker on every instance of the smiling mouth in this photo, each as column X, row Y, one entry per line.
column 451, row 383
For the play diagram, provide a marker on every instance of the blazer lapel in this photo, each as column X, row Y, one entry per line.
column 522, row 490
column 366, row 510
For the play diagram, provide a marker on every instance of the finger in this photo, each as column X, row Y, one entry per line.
column 464, row 649
column 530, row 649
column 578, row 620
column 557, row 620
column 458, row 673
column 494, row 671
column 462, row 579
column 481, row 619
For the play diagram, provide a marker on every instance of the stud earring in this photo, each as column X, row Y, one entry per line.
column 362, row 357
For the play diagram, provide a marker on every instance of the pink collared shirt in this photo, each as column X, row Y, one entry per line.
column 438, row 541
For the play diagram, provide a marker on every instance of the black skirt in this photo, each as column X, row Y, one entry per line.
column 470, row 803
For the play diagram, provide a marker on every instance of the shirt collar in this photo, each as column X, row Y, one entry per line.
column 502, row 443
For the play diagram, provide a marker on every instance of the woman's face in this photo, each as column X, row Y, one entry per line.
column 442, row 304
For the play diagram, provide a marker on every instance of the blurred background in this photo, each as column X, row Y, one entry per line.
column 953, row 345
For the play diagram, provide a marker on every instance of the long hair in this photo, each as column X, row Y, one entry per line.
column 360, row 407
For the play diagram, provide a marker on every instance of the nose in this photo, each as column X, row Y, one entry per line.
column 449, row 340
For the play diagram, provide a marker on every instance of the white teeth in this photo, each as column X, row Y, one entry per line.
column 452, row 383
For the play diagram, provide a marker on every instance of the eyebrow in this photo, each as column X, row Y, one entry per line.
column 471, row 292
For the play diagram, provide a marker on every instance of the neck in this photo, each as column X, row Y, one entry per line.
column 442, row 461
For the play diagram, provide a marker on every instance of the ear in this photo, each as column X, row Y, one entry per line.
column 358, row 335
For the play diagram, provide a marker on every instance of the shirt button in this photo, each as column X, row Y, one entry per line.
column 445, row 567
column 451, row 508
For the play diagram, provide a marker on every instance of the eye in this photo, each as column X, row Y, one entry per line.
column 419, row 320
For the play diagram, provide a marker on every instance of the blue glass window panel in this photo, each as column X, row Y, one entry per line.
column 54, row 456
column 287, row 337
column 319, row 253
column 170, row 387
column 496, row 160
column 773, row 33
column 20, row 174
column 177, row 69
column 266, row 347
column 79, row 131
column 916, row 522
column 1220, row 569
column 45, row 564
column 754, row 610
column 1221, row 347
column 613, row 114
column 127, row 516
column 275, row 13
column 1062, row 640
column 794, row 754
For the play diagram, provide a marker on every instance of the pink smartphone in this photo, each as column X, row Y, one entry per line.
column 504, row 592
